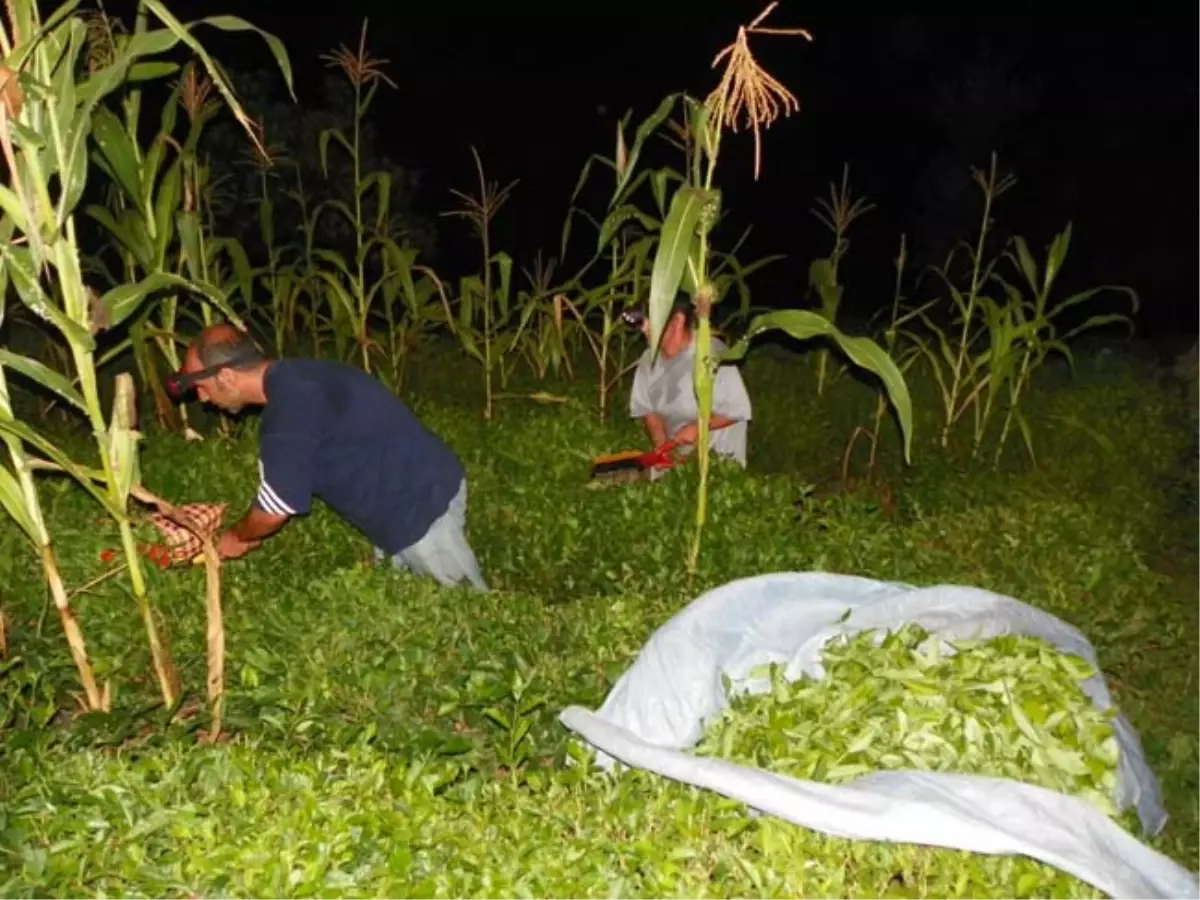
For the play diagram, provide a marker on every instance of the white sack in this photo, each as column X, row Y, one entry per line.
column 660, row 706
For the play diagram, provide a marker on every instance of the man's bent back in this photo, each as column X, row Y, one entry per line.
column 331, row 431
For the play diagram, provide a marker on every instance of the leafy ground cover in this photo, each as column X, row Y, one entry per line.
column 390, row 738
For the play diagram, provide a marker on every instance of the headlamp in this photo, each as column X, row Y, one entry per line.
column 180, row 384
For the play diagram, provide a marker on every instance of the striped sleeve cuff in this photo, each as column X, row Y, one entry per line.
column 269, row 500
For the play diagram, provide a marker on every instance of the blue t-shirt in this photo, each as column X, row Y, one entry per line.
column 331, row 431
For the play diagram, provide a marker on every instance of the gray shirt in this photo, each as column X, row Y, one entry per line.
column 666, row 389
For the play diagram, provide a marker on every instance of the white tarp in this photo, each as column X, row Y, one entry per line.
column 660, row 706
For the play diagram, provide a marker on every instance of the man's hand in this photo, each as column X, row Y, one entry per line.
column 230, row 546
column 687, row 434
column 255, row 527
column 691, row 431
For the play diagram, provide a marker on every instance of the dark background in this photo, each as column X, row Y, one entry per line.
column 1095, row 112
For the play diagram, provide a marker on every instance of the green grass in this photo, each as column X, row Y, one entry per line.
column 362, row 759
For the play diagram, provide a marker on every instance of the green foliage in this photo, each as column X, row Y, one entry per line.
column 379, row 739
column 387, row 736
column 836, row 214
column 1009, row 707
column 53, row 116
column 295, row 140
column 986, row 356
column 682, row 258
column 803, row 324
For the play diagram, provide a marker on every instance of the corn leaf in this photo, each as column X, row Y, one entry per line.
column 649, row 125
column 55, row 382
column 673, row 248
column 124, row 300
column 13, row 500
column 86, row 476
column 863, row 352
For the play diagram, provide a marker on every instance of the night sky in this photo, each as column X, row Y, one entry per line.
column 1104, row 132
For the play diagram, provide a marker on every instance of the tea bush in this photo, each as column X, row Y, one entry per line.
column 389, row 737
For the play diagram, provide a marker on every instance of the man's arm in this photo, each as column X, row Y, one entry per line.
column 641, row 408
column 656, row 428
column 689, row 432
column 286, row 461
column 249, row 532
column 729, row 396
column 257, row 525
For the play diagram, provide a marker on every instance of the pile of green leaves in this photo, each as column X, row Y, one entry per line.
column 1008, row 707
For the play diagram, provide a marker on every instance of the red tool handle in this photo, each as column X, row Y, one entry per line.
column 661, row 457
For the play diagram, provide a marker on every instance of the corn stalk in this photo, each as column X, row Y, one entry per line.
column 290, row 273
column 543, row 328
column 482, row 293
column 905, row 358
column 960, row 370
column 46, row 126
column 425, row 307
column 837, row 214
column 1024, row 333
column 19, row 498
column 683, row 254
column 346, row 282
column 153, row 219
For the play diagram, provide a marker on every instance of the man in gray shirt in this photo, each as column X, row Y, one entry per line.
column 664, row 397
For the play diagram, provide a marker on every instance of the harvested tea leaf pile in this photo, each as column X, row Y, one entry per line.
column 1009, row 707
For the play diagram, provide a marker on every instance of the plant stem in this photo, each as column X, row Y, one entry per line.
column 360, row 284
column 976, row 262
column 703, row 379
column 487, row 321
column 702, row 374
column 163, row 666
column 70, row 624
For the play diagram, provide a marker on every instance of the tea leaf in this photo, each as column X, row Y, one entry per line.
column 895, row 703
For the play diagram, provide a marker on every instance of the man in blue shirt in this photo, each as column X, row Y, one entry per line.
column 329, row 430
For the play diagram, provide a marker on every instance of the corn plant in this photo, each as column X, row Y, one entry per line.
column 278, row 276
column 153, row 219
column 426, row 307
column 543, row 334
column 726, row 272
column 487, row 296
column 682, row 256
column 597, row 313
column 904, row 359
column 46, row 124
column 837, row 214
column 19, row 495
column 1000, row 343
column 346, row 282
column 959, row 368
column 622, row 211
column 1023, row 332
column 288, row 275
column 609, row 343
column 206, row 258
